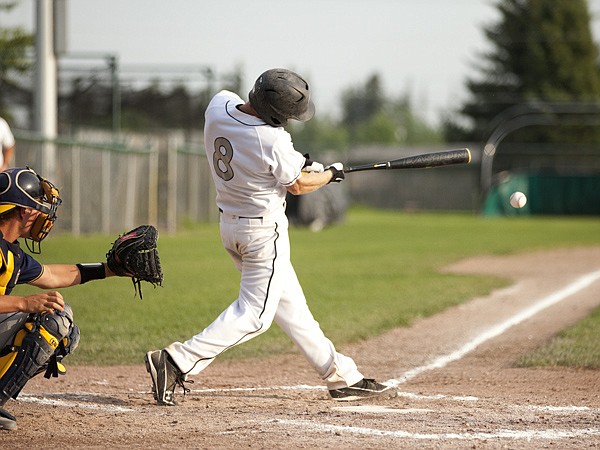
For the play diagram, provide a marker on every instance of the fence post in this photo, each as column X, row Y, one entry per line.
column 76, row 190
column 153, row 184
column 193, row 185
column 106, row 204
column 130, row 190
column 172, row 186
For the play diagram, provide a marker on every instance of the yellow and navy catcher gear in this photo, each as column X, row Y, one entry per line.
column 39, row 346
column 25, row 188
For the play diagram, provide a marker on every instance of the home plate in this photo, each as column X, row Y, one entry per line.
column 380, row 409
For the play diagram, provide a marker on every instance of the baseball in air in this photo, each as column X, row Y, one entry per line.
column 518, row 200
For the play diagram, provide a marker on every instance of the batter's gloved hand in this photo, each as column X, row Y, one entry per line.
column 134, row 254
column 312, row 166
column 338, row 172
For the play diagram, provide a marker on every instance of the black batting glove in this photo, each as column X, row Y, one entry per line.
column 338, row 172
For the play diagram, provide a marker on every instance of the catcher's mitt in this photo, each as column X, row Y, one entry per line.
column 134, row 254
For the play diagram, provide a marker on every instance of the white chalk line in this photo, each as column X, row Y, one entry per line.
column 458, row 398
column 441, row 361
column 500, row 434
column 28, row 398
column 88, row 397
column 565, row 409
column 380, row 409
column 304, row 387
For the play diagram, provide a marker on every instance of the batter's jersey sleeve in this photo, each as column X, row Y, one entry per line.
column 7, row 140
column 6, row 137
column 285, row 162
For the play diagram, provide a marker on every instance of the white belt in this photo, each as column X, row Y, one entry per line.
column 233, row 216
column 270, row 216
column 227, row 217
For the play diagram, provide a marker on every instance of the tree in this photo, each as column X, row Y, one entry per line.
column 361, row 103
column 410, row 129
column 371, row 117
column 542, row 52
column 318, row 135
column 15, row 43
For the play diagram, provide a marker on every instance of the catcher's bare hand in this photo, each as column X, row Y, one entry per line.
column 42, row 302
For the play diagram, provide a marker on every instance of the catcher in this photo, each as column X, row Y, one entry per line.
column 37, row 331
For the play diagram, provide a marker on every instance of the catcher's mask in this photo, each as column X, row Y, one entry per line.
column 279, row 95
column 25, row 188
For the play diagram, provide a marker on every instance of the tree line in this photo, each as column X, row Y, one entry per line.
column 542, row 55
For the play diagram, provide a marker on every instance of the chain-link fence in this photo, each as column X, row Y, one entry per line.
column 110, row 188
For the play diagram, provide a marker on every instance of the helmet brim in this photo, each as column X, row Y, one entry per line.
column 308, row 114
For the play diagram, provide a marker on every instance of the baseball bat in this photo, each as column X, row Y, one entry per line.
column 423, row 161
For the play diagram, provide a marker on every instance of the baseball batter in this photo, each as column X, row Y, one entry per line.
column 254, row 164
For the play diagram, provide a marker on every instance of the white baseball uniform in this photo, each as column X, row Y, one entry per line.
column 252, row 163
column 7, row 139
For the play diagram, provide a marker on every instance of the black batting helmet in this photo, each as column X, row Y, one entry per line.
column 279, row 95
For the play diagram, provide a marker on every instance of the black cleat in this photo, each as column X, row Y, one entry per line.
column 165, row 375
column 365, row 388
column 7, row 420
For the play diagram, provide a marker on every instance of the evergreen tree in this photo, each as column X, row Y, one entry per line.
column 372, row 117
column 543, row 55
column 360, row 104
column 14, row 63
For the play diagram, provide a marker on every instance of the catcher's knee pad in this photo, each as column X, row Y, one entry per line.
column 43, row 339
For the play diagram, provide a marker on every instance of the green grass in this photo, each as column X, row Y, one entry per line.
column 376, row 271
column 577, row 346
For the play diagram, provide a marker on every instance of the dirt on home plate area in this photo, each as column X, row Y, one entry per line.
column 458, row 386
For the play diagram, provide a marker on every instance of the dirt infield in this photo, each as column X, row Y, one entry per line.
column 458, row 387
